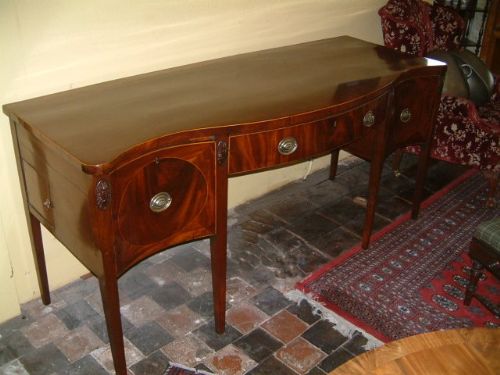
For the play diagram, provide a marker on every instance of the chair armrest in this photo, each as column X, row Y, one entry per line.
column 458, row 110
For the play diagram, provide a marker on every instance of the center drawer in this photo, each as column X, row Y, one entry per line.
column 268, row 149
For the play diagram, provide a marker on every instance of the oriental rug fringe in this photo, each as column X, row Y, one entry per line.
column 412, row 277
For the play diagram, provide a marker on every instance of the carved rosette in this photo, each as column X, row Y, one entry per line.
column 103, row 194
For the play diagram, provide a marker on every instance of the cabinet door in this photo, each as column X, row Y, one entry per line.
column 164, row 198
column 414, row 101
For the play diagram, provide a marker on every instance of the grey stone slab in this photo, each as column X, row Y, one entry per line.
column 304, row 311
column 77, row 314
column 85, row 366
column 335, row 242
column 149, row 337
column 190, row 259
column 135, row 284
column 170, row 295
column 258, row 344
column 43, row 361
column 155, row 364
column 216, row 341
column 334, row 360
column 270, row 301
column 324, row 335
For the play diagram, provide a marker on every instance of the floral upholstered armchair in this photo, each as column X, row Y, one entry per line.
column 465, row 133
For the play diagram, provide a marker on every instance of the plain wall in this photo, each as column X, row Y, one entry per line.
column 48, row 46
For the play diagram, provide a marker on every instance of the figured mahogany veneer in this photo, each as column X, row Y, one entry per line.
column 121, row 170
column 254, row 151
column 187, row 174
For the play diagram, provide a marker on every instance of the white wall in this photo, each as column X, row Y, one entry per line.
column 51, row 45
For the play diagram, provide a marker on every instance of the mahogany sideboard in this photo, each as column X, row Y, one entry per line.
column 121, row 170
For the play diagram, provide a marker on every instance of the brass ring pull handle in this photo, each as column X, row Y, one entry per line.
column 160, row 202
column 405, row 115
column 287, row 146
column 369, row 119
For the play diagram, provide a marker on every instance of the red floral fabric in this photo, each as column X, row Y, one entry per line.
column 447, row 29
column 465, row 139
column 402, row 26
column 464, row 134
column 416, row 28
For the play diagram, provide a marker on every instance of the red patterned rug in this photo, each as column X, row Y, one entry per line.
column 412, row 277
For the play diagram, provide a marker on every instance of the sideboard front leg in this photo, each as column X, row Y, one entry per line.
column 218, row 243
column 218, row 257
column 108, row 283
column 39, row 256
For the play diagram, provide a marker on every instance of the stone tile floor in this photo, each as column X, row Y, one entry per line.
column 166, row 300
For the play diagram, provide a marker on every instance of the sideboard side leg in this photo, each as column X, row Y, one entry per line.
column 334, row 162
column 425, row 153
column 423, row 164
column 39, row 256
column 108, row 285
column 376, row 167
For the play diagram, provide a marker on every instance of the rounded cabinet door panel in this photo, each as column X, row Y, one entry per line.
column 160, row 198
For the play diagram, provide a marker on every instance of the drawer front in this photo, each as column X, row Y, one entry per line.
column 273, row 148
column 165, row 198
column 414, row 100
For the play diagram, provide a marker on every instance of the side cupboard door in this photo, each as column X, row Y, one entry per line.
column 163, row 198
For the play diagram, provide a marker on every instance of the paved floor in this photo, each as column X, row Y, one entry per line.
column 166, row 300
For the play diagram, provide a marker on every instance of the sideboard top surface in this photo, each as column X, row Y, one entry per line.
column 95, row 124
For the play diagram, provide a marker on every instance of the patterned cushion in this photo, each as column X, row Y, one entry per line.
column 416, row 28
column 489, row 233
column 447, row 28
column 406, row 26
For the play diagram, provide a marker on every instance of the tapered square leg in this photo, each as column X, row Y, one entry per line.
column 39, row 256
column 334, row 162
column 374, row 184
column 111, row 305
